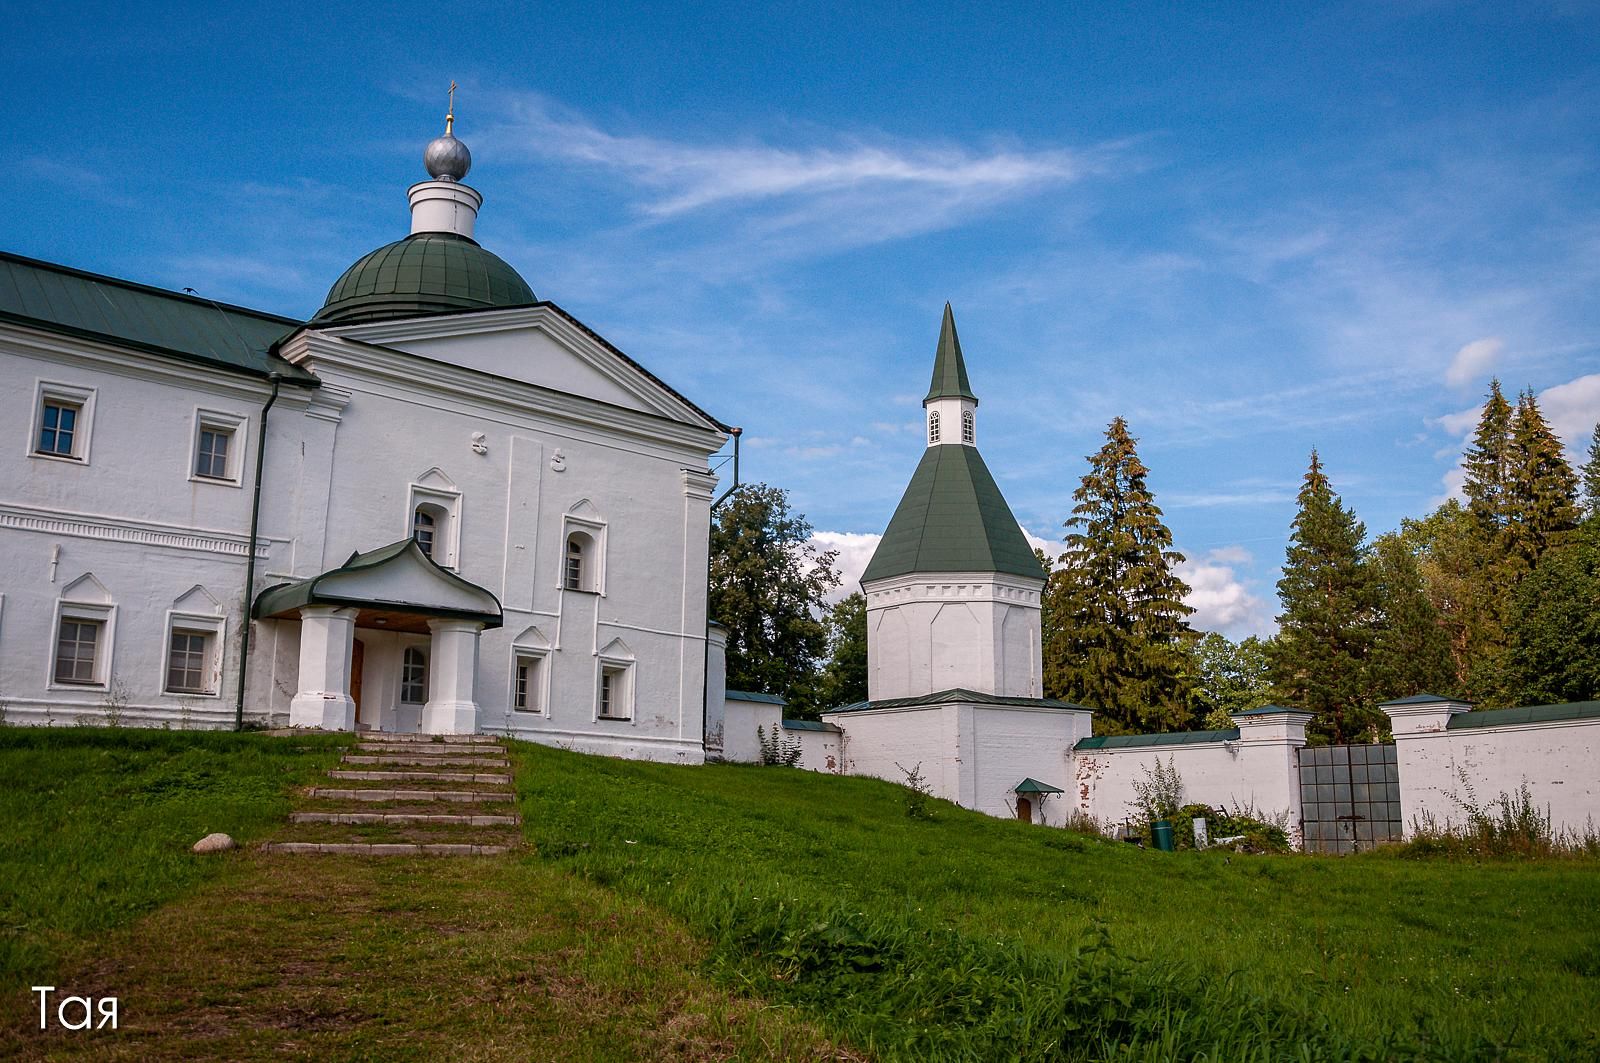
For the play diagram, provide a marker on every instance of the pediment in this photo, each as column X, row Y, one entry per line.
column 540, row 345
column 87, row 589
column 436, row 480
column 616, row 650
column 197, row 600
column 532, row 638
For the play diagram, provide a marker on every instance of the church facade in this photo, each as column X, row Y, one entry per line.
column 441, row 505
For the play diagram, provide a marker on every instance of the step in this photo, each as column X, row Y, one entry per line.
column 421, row 776
column 447, row 761
column 387, row 848
column 458, row 796
column 418, row 749
column 401, row 736
column 402, row 819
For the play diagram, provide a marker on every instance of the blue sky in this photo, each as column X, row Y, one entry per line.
column 1247, row 230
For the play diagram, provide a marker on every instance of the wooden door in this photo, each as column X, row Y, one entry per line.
column 1024, row 810
column 358, row 654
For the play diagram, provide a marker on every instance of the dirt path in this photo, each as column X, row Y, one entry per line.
column 341, row 957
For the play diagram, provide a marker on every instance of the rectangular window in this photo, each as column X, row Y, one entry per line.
column 526, row 696
column 58, row 428
column 76, row 646
column 616, row 697
column 189, row 663
column 211, row 456
column 414, row 677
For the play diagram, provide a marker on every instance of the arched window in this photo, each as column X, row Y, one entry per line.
column 425, row 528
column 575, row 578
column 414, row 676
column 933, row 426
column 968, row 429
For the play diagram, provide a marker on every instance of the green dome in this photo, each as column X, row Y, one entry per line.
column 426, row 273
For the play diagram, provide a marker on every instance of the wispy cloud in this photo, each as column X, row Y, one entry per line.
column 1473, row 360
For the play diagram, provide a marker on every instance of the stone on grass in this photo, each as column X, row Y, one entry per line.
column 214, row 843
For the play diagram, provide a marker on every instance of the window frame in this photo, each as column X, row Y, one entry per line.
column 232, row 425
column 969, row 428
column 933, row 427
column 447, row 523
column 537, row 689
column 621, row 695
column 57, row 393
column 105, row 644
column 593, row 577
column 406, row 681
column 214, row 628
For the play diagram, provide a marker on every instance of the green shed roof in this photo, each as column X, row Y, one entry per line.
column 425, row 273
column 949, row 368
column 1034, row 786
column 747, row 695
column 952, row 518
column 1173, row 738
column 959, row 695
column 73, row 302
column 810, row 725
column 1573, row 710
column 1425, row 699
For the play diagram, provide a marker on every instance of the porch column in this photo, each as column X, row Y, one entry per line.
column 326, row 636
column 452, row 678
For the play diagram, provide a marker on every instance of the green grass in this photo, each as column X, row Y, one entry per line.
column 969, row 937
column 98, row 824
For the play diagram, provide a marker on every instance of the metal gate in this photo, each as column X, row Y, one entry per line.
column 1349, row 797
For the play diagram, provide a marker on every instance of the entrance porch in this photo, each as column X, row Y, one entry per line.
column 388, row 640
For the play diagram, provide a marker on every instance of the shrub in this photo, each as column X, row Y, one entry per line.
column 1159, row 795
column 776, row 750
column 1509, row 825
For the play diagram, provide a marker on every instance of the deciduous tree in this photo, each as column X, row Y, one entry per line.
column 767, row 588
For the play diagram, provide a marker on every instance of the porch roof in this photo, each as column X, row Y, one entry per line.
column 398, row 580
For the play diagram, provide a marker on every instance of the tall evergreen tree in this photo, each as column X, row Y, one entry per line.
column 1591, row 477
column 767, row 588
column 1411, row 648
column 1540, row 488
column 1486, row 464
column 1325, row 633
column 1115, row 604
column 1554, row 625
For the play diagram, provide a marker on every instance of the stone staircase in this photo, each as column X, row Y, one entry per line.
column 410, row 795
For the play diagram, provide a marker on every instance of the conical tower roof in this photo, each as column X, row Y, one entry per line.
column 952, row 518
column 949, row 368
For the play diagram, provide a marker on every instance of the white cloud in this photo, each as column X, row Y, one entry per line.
column 855, row 550
column 1473, row 360
column 1219, row 598
column 1573, row 409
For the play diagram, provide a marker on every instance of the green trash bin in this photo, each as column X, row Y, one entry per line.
column 1162, row 829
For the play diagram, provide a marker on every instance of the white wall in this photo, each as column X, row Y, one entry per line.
column 740, row 743
column 940, row 631
column 882, row 742
column 819, row 750
column 1009, row 744
column 1559, row 760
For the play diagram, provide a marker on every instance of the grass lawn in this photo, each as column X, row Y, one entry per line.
column 737, row 912
column 918, row 939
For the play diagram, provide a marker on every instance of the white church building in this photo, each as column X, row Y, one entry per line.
column 443, row 504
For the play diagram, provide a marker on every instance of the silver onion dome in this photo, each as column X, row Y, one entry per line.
column 447, row 159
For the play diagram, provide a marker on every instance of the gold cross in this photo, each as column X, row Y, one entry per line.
column 450, row 117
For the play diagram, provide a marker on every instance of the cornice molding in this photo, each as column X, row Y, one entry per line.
column 114, row 529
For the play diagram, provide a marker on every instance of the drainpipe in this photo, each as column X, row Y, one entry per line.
column 705, row 667
column 250, row 555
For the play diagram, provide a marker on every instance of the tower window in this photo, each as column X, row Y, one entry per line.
column 579, row 572
column 933, row 426
column 968, row 429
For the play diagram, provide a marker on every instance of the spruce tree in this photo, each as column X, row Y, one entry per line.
column 1591, row 477
column 1114, row 604
column 1325, row 633
column 1540, row 495
column 1485, row 465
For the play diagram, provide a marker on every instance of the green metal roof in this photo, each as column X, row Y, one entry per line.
column 75, row 303
column 1034, row 786
column 952, row 518
column 745, row 695
column 961, row 695
column 949, row 368
column 1425, row 699
column 1269, row 710
column 425, row 273
column 1575, row 710
column 285, row 598
column 1174, row 738
column 809, row 725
